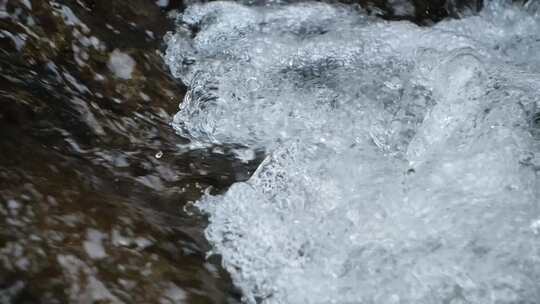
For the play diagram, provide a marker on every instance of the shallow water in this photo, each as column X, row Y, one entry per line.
column 93, row 180
column 401, row 163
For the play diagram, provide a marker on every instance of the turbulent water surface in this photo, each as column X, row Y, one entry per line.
column 401, row 163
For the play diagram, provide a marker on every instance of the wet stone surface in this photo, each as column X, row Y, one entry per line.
column 93, row 181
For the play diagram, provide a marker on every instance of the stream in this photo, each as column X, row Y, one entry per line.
column 272, row 152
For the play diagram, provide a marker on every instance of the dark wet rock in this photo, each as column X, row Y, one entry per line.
column 423, row 12
column 427, row 12
column 88, row 212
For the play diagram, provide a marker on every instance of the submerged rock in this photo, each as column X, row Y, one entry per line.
column 422, row 11
column 88, row 214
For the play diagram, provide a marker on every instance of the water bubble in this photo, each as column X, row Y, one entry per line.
column 393, row 172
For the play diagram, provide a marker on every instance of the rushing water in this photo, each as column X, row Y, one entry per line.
column 402, row 163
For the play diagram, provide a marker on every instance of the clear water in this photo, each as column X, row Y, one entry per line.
column 402, row 161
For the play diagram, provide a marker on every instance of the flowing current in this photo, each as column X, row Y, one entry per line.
column 402, row 162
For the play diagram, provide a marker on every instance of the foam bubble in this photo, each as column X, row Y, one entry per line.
column 400, row 161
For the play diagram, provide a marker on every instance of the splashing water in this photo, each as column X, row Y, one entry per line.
column 402, row 162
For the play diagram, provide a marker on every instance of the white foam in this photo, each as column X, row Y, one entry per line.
column 399, row 158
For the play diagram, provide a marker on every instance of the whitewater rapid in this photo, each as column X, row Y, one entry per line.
column 402, row 161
